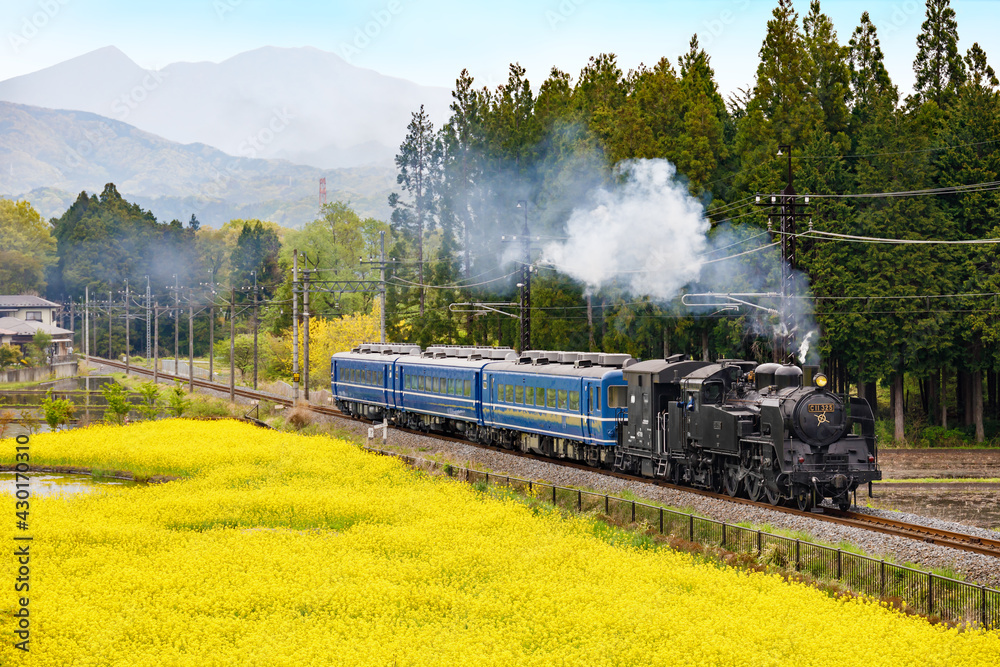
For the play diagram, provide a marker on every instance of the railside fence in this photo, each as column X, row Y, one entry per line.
column 934, row 595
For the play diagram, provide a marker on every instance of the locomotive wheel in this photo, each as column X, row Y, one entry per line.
column 715, row 480
column 675, row 473
column 732, row 481
column 803, row 499
column 755, row 486
column 771, row 496
column 771, row 491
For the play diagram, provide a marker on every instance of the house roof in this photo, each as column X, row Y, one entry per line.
column 26, row 301
column 18, row 327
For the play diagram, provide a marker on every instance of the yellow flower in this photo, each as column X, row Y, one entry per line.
column 275, row 549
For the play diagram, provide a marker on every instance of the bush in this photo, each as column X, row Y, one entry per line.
column 177, row 401
column 300, row 416
column 9, row 356
column 58, row 411
column 149, row 408
column 118, row 404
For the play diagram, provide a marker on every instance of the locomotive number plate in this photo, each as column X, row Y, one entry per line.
column 817, row 408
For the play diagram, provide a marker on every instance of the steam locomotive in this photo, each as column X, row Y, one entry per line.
column 765, row 432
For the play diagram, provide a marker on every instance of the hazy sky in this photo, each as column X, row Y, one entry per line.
column 430, row 41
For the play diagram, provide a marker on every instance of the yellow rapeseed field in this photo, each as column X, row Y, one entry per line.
column 278, row 549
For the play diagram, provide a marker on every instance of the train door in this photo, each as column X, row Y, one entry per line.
column 487, row 401
column 588, row 411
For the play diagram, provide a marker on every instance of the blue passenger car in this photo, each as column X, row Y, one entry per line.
column 564, row 404
column 563, row 401
column 362, row 380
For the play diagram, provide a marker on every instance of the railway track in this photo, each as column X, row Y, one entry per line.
column 853, row 519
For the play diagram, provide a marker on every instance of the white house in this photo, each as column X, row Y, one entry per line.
column 29, row 308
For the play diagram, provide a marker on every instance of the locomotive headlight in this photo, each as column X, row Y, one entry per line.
column 820, row 381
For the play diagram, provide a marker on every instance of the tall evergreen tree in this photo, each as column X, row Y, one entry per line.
column 939, row 67
column 830, row 82
column 418, row 163
column 870, row 83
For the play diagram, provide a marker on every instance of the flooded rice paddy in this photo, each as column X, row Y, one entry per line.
column 54, row 484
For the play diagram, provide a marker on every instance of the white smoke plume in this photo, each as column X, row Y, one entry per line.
column 649, row 234
column 648, row 231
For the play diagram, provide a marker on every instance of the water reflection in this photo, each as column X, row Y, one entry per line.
column 53, row 484
column 83, row 392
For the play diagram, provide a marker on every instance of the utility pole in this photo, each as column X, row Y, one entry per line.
column 525, row 283
column 148, row 302
column 86, row 321
column 190, row 348
column 177, row 327
column 255, row 327
column 127, row 327
column 211, row 332
column 295, row 327
column 156, row 343
column 111, row 301
column 305, row 334
column 232, row 345
column 381, row 292
column 786, row 206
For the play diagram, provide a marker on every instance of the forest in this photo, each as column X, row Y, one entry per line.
column 637, row 188
column 881, row 169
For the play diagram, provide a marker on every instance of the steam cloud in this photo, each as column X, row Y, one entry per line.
column 651, row 236
column 649, row 231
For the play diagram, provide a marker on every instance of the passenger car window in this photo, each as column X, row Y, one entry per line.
column 550, row 395
column 540, row 397
column 562, row 399
column 509, row 393
column 519, row 394
column 617, row 397
column 468, row 387
column 574, row 401
column 529, row 395
column 451, row 386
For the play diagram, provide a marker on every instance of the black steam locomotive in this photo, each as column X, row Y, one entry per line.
column 769, row 431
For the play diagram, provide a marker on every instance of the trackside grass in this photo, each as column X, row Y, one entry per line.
column 279, row 549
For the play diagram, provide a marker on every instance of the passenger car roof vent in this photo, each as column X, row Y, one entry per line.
column 583, row 363
column 615, row 360
column 568, row 357
column 540, row 361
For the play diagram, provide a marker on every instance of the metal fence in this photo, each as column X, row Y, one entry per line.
column 950, row 600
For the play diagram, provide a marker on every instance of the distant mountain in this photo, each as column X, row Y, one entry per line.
column 49, row 156
column 304, row 105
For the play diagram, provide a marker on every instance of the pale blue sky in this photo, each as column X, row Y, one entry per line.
column 430, row 41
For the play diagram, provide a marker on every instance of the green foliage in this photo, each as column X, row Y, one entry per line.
column 58, row 411
column 9, row 356
column 149, row 407
column 256, row 254
column 177, row 400
column 27, row 248
column 39, row 347
column 119, row 407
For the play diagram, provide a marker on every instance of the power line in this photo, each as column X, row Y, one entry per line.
column 850, row 238
column 410, row 283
